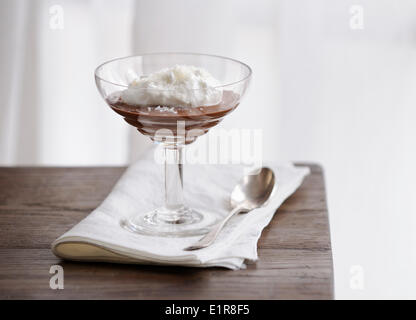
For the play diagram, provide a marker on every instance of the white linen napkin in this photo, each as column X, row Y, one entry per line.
column 207, row 187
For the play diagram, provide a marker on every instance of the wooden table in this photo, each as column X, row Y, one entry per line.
column 39, row 204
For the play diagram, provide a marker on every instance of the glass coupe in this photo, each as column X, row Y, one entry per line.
column 173, row 127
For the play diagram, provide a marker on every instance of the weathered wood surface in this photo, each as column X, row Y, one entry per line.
column 39, row 204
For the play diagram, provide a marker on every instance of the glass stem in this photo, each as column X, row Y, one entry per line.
column 173, row 182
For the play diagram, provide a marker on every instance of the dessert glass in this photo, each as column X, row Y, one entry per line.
column 173, row 126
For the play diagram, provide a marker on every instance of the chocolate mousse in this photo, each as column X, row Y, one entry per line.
column 148, row 119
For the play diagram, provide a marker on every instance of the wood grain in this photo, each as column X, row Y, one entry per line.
column 39, row 204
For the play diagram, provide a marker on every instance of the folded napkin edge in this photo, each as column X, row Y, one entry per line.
column 101, row 246
column 115, row 257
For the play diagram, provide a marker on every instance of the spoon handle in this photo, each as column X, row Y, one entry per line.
column 210, row 237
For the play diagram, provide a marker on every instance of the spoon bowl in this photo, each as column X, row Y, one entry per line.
column 253, row 191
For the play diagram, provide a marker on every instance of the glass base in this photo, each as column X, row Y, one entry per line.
column 183, row 222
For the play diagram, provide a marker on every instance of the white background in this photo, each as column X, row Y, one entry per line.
column 322, row 91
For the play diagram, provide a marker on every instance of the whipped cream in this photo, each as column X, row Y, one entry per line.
column 180, row 85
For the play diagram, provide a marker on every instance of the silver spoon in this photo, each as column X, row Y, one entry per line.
column 250, row 193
